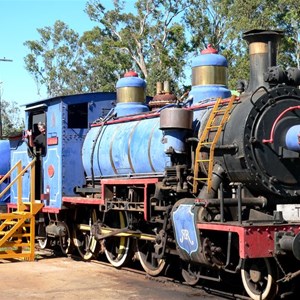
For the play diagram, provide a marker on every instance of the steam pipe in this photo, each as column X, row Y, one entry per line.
column 218, row 172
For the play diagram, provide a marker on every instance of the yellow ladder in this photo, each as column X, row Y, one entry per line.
column 218, row 117
column 17, row 229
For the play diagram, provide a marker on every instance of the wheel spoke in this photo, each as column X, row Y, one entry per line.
column 117, row 249
column 259, row 278
column 146, row 254
column 85, row 244
column 65, row 239
column 190, row 274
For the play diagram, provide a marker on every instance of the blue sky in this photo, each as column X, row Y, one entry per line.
column 19, row 20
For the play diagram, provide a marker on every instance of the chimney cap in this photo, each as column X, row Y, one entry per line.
column 262, row 34
column 209, row 50
column 131, row 73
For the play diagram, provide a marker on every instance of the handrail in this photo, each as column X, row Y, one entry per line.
column 271, row 139
column 18, row 178
column 15, row 238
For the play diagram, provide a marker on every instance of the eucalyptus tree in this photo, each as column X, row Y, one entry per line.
column 288, row 19
column 104, row 63
column 222, row 24
column 157, row 38
column 150, row 34
column 56, row 60
column 11, row 121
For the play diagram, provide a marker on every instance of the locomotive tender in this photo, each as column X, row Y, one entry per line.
column 212, row 180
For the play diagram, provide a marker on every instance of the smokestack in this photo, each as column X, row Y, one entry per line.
column 263, row 51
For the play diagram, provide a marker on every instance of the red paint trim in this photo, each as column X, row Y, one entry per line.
column 128, row 119
column 45, row 197
column 254, row 241
column 51, row 210
column 51, row 171
column 52, row 141
column 82, row 200
column 129, row 181
column 212, row 103
column 155, row 114
column 13, row 206
column 16, row 137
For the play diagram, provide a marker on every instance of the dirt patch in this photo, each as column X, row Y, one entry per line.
column 66, row 278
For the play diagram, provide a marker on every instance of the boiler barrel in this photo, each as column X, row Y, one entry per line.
column 127, row 148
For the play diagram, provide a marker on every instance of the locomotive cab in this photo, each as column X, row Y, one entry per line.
column 67, row 120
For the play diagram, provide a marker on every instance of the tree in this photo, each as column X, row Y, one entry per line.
column 151, row 38
column 222, row 23
column 12, row 123
column 149, row 41
column 105, row 64
column 57, row 60
column 157, row 38
column 288, row 19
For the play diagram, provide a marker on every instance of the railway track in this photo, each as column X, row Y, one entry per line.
column 197, row 290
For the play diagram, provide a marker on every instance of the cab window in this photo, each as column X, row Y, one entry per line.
column 78, row 115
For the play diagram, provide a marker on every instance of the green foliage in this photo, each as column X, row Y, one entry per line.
column 105, row 64
column 149, row 39
column 157, row 38
column 57, row 60
column 12, row 124
column 222, row 23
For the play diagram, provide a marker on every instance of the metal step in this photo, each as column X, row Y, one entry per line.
column 6, row 222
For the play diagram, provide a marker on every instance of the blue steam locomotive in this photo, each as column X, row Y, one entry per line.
column 212, row 179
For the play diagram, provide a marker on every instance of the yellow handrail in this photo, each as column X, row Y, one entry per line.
column 17, row 228
column 18, row 178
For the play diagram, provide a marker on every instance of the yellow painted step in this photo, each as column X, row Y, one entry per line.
column 26, row 206
column 10, row 222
